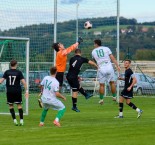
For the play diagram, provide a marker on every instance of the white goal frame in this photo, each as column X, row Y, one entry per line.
column 27, row 40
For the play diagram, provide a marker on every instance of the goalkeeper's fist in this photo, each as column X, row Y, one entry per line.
column 79, row 40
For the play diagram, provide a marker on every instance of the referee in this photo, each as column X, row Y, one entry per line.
column 72, row 77
column 13, row 79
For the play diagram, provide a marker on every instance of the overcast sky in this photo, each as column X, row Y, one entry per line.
column 14, row 13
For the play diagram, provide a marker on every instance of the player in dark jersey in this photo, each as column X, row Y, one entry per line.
column 72, row 77
column 127, row 92
column 13, row 79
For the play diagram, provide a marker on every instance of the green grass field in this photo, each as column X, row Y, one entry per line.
column 94, row 125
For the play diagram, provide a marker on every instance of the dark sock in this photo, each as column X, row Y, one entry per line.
column 74, row 101
column 82, row 91
column 120, row 107
column 12, row 111
column 20, row 113
column 132, row 106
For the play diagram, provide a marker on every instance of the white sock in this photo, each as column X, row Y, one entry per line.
column 21, row 121
column 120, row 113
column 57, row 119
column 138, row 110
column 15, row 120
column 42, row 123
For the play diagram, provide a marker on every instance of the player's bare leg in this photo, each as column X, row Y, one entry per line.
column 113, row 90
column 101, row 91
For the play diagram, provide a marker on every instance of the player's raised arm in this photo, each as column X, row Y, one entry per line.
column 72, row 47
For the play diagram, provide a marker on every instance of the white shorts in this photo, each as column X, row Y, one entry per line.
column 106, row 74
column 52, row 103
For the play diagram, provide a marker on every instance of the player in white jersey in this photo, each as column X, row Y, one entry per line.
column 50, row 92
column 103, row 56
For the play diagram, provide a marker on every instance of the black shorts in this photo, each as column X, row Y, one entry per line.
column 127, row 94
column 59, row 77
column 14, row 97
column 74, row 83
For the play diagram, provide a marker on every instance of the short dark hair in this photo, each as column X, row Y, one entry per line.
column 98, row 42
column 53, row 70
column 128, row 60
column 55, row 46
column 13, row 63
column 77, row 51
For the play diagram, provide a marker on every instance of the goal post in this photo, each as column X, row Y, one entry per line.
column 14, row 48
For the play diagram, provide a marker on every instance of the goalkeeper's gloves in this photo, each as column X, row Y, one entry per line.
column 80, row 40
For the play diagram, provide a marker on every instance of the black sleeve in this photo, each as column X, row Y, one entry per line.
column 21, row 75
column 5, row 75
column 85, row 60
column 130, row 72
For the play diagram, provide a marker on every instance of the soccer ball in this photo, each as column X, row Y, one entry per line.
column 88, row 25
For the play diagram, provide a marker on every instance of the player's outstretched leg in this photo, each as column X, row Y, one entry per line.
column 86, row 94
column 139, row 111
column 58, row 117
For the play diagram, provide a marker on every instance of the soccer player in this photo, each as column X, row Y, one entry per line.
column 50, row 88
column 103, row 56
column 127, row 92
column 13, row 79
column 72, row 77
column 61, row 58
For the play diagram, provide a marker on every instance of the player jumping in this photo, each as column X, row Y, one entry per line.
column 103, row 57
column 72, row 77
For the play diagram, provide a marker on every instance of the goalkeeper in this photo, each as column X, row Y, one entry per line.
column 61, row 58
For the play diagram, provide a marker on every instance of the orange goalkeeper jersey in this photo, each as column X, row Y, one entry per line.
column 61, row 57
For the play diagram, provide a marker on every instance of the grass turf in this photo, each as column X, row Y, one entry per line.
column 94, row 125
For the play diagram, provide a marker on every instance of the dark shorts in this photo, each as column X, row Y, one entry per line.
column 127, row 94
column 14, row 97
column 74, row 83
column 59, row 77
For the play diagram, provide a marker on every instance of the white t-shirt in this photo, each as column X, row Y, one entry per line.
column 51, row 85
column 101, row 55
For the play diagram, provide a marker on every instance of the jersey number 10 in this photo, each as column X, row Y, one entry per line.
column 100, row 53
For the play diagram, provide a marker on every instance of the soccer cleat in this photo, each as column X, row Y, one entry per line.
column 101, row 102
column 118, row 116
column 88, row 96
column 56, row 123
column 139, row 113
column 41, row 124
column 21, row 124
column 75, row 109
column 16, row 124
column 40, row 103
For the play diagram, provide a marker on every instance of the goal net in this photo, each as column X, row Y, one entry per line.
column 13, row 48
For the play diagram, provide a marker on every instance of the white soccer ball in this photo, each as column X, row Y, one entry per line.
column 88, row 25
